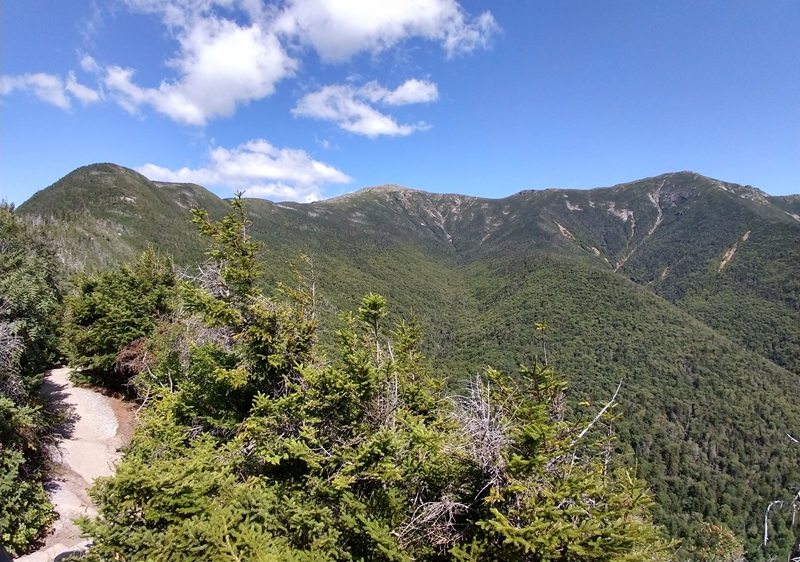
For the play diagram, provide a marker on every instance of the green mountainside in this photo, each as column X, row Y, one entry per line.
column 685, row 288
column 102, row 214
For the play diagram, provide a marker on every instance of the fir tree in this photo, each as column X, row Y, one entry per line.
column 30, row 310
column 113, row 308
column 260, row 448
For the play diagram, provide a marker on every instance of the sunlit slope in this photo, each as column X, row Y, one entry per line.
column 104, row 213
column 705, row 410
column 704, row 417
column 727, row 254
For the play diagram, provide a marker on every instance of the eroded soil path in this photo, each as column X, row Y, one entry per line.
column 96, row 428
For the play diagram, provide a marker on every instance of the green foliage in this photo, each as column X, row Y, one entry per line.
column 554, row 496
column 372, row 309
column 250, row 344
column 715, row 544
column 260, row 448
column 26, row 510
column 113, row 308
column 30, row 298
column 696, row 420
column 704, row 417
column 233, row 249
column 29, row 316
column 755, row 299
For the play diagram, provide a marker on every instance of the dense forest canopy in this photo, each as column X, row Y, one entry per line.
column 259, row 392
column 256, row 446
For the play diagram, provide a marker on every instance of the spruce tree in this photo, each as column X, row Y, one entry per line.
column 30, row 311
column 255, row 446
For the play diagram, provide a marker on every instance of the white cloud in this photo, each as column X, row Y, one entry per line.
column 259, row 169
column 233, row 52
column 347, row 106
column 82, row 93
column 89, row 64
column 50, row 88
column 338, row 29
column 411, row 91
column 46, row 87
column 92, row 23
column 281, row 192
column 221, row 65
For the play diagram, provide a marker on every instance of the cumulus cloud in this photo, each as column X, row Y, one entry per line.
column 82, row 93
column 348, row 107
column 221, row 65
column 260, row 170
column 51, row 89
column 233, row 52
column 338, row 29
column 411, row 91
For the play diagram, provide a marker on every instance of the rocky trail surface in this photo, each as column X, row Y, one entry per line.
column 96, row 427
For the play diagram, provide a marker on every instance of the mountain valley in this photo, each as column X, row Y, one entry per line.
column 685, row 288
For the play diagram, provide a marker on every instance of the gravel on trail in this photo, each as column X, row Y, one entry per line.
column 97, row 426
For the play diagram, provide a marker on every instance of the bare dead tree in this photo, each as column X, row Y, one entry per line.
column 11, row 347
column 310, row 281
column 384, row 405
column 485, row 428
column 209, row 277
column 772, row 504
column 794, row 555
column 541, row 327
column 435, row 521
column 598, row 416
column 200, row 334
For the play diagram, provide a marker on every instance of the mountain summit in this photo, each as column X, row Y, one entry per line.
column 685, row 287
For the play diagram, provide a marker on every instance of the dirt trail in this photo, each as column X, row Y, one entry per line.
column 96, row 428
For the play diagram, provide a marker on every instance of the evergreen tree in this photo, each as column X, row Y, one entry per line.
column 113, row 308
column 29, row 316
column 256, row 447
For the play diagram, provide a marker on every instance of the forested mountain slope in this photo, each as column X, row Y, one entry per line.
column 705, row 245
column 102, row 214
column 708, row 381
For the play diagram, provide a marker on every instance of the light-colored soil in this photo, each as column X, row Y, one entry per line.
column 97, row 427
column 732, row 252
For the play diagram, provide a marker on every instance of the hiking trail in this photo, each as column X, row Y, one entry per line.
column 96, row 427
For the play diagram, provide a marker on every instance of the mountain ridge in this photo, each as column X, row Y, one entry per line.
column 683, row 174
column 685, row 286
column 680, row 234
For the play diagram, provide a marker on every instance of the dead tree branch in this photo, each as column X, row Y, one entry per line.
column 598, row 416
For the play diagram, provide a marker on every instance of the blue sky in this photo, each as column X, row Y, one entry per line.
column 306, row 99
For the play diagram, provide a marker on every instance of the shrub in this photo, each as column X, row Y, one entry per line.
column 29, row 317
column 113, row 308
column 260, row 448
